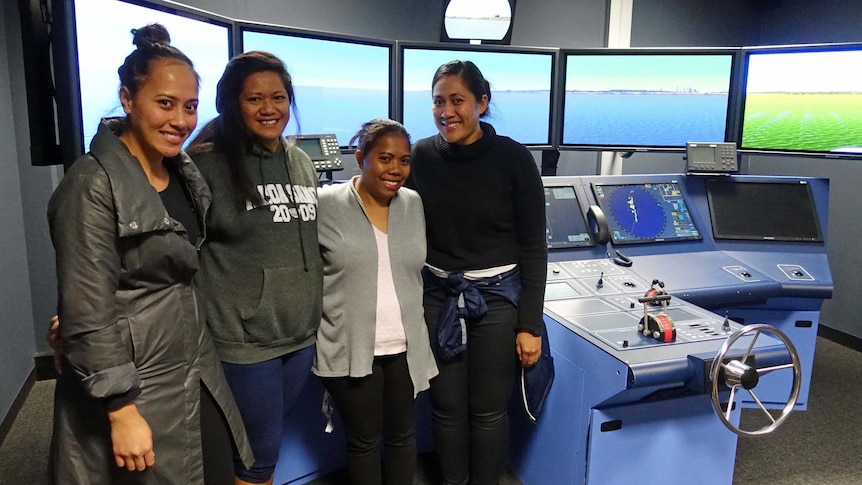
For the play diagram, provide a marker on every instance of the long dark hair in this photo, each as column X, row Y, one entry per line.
column 228, row 131
column 472, row 77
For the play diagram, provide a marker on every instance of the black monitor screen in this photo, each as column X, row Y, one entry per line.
column 311, row 147
column 104, row 40
column 647, row 99
column 565, row 225
column 804, row 100
column 647, row 212
column 770, row 211
column 339, row 84
column 520, row 105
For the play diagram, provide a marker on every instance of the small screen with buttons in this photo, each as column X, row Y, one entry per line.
column 711, row 157
column 323, row 151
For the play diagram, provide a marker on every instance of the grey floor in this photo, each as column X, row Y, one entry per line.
column 820, row 446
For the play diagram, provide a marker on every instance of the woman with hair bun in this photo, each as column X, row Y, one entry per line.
column 126, row 222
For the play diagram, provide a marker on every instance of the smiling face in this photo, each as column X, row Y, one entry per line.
column 163, row 113
column 385, row 167
column 265, row 108
column 456, row 110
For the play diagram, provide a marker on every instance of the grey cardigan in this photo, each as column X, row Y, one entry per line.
column 345, row 340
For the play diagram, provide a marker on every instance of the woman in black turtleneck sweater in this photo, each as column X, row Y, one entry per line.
column 485, row 220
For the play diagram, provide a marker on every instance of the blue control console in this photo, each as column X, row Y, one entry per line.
column 630, row 408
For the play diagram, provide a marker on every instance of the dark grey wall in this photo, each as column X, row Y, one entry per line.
column 414, row 20
column 560, row 23
column 694, row 23
column 17, row 344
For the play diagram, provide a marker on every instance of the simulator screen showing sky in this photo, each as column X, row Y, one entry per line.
column 104, row 40
column 338, row 84
column 804, row 101
column 520, row 91
column 645, row 100
column 639, row 213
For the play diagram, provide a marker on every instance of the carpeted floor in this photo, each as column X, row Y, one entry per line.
column 821, row 446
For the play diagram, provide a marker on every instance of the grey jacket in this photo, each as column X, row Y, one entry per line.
column 129, row 317
column 345, row 340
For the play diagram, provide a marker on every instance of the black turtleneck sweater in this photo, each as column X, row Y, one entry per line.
column 484, row 207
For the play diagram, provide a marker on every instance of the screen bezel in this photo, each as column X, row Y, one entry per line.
column 746, row 53
column 553, row 108
column 579, row 213
column 740, row 237
column 732, row 104
column 594, row 186
column 271, row 29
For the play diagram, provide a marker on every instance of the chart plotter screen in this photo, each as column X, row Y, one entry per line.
column 565, row 225
column 646, row 212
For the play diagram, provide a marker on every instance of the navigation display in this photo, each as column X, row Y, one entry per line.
column 565, row 225
column 647, row 212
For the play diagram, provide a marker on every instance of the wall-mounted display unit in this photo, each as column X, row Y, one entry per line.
column 339, row 82
column 521, row 88
column 624, row 99
column 102, row 34
column 805, row 99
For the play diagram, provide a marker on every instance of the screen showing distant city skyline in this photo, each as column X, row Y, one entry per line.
column 646, row 99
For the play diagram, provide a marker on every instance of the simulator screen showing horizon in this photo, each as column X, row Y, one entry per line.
column 338, row 84
column 104, row 40
column 645, row 100
column 804, row 101
column 520, row 105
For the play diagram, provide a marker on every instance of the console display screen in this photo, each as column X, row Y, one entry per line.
column 763, row 211
column 647, row 212
column 564, row 225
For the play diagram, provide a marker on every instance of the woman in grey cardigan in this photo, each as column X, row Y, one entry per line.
column 373, row 352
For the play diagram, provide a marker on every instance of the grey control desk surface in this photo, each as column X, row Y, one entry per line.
column 607, row 315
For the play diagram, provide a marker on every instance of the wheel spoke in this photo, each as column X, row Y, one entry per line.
column 766, row 370
column 761, row 406
column 750, row 346
column 730, row 403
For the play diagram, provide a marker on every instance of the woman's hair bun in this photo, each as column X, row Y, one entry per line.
column 150, row 35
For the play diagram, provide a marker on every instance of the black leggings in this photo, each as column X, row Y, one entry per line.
column 471, row 395
column 373, row 407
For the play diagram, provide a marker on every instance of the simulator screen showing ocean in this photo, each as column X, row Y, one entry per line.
column 338, row 84
column 804, row 101
column 105, row 39
column 645, row 100
column 520, row 91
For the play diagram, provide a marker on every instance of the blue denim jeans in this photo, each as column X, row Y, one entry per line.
column 265, row 392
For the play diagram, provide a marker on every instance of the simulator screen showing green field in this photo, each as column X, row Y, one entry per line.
column 804, row 101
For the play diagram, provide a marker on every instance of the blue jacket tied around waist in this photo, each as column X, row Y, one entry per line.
column 464, row 300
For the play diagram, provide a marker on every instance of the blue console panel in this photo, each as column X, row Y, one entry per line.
column 626, row 408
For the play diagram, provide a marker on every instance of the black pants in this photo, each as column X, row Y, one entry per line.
column 471, row 394
column 376, row 408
